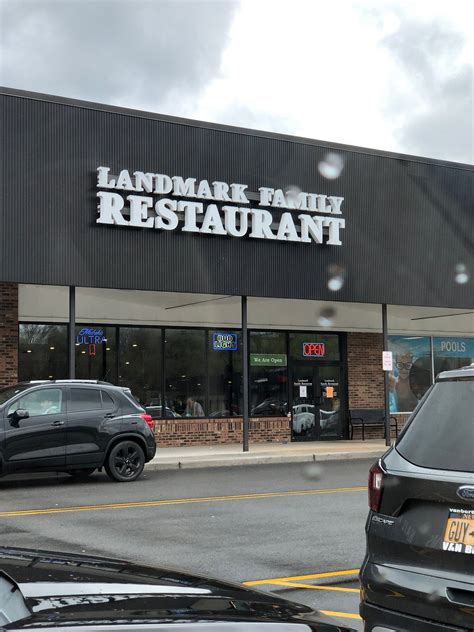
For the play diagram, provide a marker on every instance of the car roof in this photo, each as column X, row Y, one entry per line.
column 455, row 374
column 92, row 383
column 34, row 382
column 67, row 586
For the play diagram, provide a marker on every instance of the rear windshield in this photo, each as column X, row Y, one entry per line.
column 441, row 435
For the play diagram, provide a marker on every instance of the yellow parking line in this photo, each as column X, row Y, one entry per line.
column 344, row 615
column 314, row 587
column 294, row 578
column 178, row 501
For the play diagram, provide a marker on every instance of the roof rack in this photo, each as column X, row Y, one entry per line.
column 68, row 382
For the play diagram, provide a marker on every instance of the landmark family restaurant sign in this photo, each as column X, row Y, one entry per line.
column 160, row 202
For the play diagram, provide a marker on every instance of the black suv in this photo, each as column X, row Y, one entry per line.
column 418, row 573
column 76, row 427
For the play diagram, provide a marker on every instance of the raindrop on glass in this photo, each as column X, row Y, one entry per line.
column 313, row 471
column 462, row 275
column 326, row 317
column 331, row 167
column 291, row 192
column 336, row 277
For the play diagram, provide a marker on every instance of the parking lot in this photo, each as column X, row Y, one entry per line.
column 295, row 529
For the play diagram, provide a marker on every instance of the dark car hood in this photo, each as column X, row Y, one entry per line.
column 68, row 590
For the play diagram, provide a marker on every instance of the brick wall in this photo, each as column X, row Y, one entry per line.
column 184, row 432
column 8, row 333
column 365, row 375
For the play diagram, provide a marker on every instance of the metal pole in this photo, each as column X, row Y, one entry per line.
column 245, row 375
column 385, row 376
column 72, row 332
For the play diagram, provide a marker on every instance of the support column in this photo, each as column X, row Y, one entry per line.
column 72, row 332
column 245, row 375
column 385, row 376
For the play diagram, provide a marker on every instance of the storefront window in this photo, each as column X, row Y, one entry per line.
column 452, row 353
column 140, row 365
column 96, row 353
column 314, row 346
column 268, row 374
column 411, row 375
column 43, row 352
column 185, row 371
column 224, row 373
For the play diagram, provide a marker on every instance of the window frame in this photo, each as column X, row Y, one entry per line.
column 82, row 387
column 39, row 388
column 342, row 362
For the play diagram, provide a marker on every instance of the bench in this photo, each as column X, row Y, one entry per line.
column 370, row 418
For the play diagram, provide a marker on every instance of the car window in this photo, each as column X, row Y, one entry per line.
column 85, row 399
column 441, row 435
column 107, row 401
column 10, row 391
column 43, row 402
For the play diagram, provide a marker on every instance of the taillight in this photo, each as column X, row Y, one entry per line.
column 376, row 477
column 149, row 420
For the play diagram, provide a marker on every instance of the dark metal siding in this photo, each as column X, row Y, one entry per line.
column 408, row 223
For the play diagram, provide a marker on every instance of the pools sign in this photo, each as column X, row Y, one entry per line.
column 159, row 202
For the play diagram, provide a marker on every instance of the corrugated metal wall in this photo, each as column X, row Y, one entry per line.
column 408, row 223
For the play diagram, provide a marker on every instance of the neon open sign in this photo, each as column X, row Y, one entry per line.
column 314, row 349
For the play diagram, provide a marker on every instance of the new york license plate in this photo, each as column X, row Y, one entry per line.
column 459, row 531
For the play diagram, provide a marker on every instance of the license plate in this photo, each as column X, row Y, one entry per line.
column 459, row 531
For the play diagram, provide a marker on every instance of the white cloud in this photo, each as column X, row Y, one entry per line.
column 390, row 74
column 338, row 71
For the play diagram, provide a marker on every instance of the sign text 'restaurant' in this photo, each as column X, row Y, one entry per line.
column 152, row 204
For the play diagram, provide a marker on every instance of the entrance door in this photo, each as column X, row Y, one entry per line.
column 316, row 403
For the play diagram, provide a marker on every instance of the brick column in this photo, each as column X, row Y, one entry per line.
column 8, row 334
column 365, row 374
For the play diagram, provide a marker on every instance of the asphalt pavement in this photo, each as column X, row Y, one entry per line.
column 297, row 529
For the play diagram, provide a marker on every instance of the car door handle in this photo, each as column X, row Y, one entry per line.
column 461, row 597
column 58, row 423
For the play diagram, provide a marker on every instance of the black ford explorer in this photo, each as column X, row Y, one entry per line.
column 76, row 427
column 418, row 573
column 40, row 590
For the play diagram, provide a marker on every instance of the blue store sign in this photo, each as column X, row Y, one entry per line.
column 452, row 347
column 224, row 341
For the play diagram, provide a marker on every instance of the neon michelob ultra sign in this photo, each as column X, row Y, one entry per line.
column 90, row 337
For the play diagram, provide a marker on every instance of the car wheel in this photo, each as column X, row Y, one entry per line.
column 125, row 462
column 84, row 473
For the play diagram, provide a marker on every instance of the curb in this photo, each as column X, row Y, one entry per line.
column 197, row 463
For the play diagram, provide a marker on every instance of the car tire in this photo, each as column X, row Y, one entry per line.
column 125, row 462
column 81, row 474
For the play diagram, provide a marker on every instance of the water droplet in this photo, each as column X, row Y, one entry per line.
column 434, row 595
column 291, row 193
column 313, row 471
column 462, row 275
column 336, row 277
column 326, row 317
column 331, row 167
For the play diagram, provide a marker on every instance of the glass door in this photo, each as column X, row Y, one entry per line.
column 316, row 402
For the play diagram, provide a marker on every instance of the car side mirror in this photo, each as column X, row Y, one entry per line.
column 18, row 414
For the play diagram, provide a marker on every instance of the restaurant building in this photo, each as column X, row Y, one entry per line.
column 223, row 273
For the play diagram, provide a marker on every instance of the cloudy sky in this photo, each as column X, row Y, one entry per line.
column 391, row 74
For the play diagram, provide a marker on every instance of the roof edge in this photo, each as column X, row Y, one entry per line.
column 114, row 109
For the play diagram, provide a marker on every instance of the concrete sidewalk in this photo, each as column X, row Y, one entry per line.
column 228, row 455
